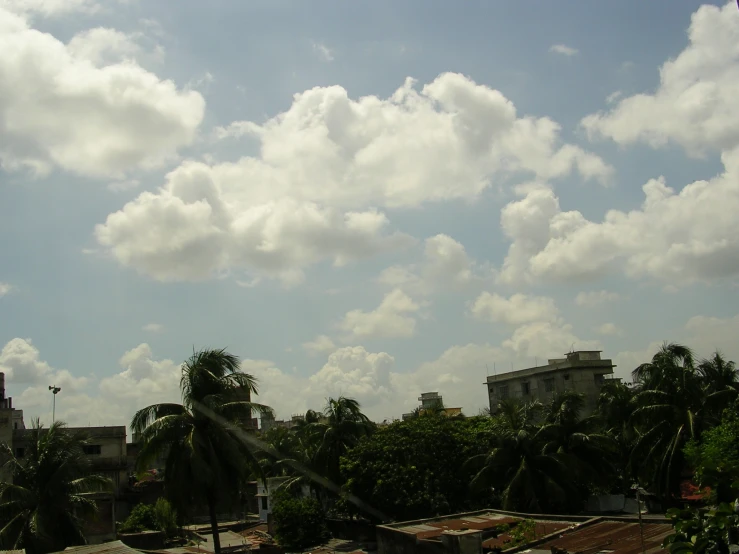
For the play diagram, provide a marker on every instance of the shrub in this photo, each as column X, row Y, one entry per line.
column 299, row 522
column 165, row 517
column 140, row 519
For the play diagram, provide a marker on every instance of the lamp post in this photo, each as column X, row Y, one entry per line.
column 54, row 390
column 638, row 490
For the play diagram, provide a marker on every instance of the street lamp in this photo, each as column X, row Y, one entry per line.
column 54, row 390
column 635, row 487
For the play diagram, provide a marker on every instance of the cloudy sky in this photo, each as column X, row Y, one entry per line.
column 369, row 198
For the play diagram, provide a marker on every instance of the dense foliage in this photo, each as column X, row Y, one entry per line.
column 711, row 531
column 416, row 468
column 299, row 522
column 44, row 507
column 206, row 462
column 146, row 517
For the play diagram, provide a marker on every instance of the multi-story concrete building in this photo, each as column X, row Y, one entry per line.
column 430, row 401
column 582, row 371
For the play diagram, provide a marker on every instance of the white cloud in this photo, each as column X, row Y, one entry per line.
column 324, row 52
column 60, row 109
column 695, row 103
column 193, row 229
column 594, row 298
column 516, row 310
column 563, row 49
column 51, row 8
column 677, row 238
column 320, row 345
column 5, row 288
column 153, row 328
column 322, row 163
column 542, row 338
column 389, row 320
column 445, row 265
column 609, row 329
column 123, row 186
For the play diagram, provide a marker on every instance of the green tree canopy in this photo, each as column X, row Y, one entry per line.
column 205, row 460
column 42, row 510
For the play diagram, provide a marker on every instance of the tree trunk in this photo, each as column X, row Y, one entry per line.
column 214, row 524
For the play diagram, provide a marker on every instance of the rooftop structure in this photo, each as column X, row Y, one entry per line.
column 431, row 401
column 582, row 371
column 494, row 530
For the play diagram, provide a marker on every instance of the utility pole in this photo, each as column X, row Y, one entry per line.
column 638, row 489
column 54, row 390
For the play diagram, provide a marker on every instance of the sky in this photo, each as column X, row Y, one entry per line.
column 369, row 199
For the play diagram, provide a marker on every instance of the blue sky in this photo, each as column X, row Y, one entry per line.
column 245, row 175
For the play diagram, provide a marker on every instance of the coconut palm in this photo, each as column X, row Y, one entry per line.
column 205, row 461
column 532, row 480
column 668, row 412
column 579, row 442
column 44, row 506
column 341, row 427
column 721, row 383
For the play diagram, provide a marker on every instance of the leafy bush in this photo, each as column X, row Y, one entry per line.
column 703, row 531
column 165, row 517
column 145, row 517
column 140, row 519
column 299, row 522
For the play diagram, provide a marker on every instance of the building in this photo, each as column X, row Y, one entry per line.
column 582, row 371
column 432, row 401
column 266, row 491
column 495, row 531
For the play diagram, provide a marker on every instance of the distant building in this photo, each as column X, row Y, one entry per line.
column 431, row 401
column 266, row 491
column 582, row 371
column 268, row 421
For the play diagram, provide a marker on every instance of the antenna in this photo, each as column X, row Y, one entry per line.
column 495, row 373
column 487, row 369
column 536, row 361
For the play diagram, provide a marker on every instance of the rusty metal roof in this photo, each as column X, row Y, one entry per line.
column 614, row 537
column 114, row 547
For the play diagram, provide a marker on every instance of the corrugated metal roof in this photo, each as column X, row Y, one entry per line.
column 114, row 547
column 21, row 551
column 614, row 536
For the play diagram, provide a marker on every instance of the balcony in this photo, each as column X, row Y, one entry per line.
column 108, row 463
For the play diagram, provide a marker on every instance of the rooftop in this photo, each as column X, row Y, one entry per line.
column 573, row 360
column 114, row 547
column 614, row 537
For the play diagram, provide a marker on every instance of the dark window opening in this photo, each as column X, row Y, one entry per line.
column 264, row 503
column 20, row 452
column 92, row 449
column 525, row 389
column 549, row 385
column 503, row 391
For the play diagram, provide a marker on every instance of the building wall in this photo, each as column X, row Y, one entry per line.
column 582, row 372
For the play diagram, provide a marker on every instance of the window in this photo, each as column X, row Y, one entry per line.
column 567, row 376
column 264, row 503
column 492, row 390
column 599, row 379
column 92, row 449
column 503, row 391
column 549, row 385
column 20, row 452
column 525, row 389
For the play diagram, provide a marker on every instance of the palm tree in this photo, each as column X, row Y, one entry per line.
column 580, row 443
column 721, row 383
column 533, row 480
column 614, row 409
column 50, row 495
column 341, row 427
column 668, row 412
column 205, row 460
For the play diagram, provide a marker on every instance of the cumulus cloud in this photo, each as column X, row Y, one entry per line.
column 609, row 329
column 327, row 167
column 194, row 228
column 322, row 344
column 5, row 288
column 694, row 105
column 445, row 265
column 86, row 106
column 676, row 237
column 594, row 298
column 563, row 49
column 516, row 310
column 390, row 319
column 51, row 8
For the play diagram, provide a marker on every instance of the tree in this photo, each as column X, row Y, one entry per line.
column 579, row 442
column 716, row 456
column 342, row 426
column 614, row 410
column 299, row 522
column 44, row 506
column 674, row 402
column 411, row 469
column 206, row 462
column 533, row 478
